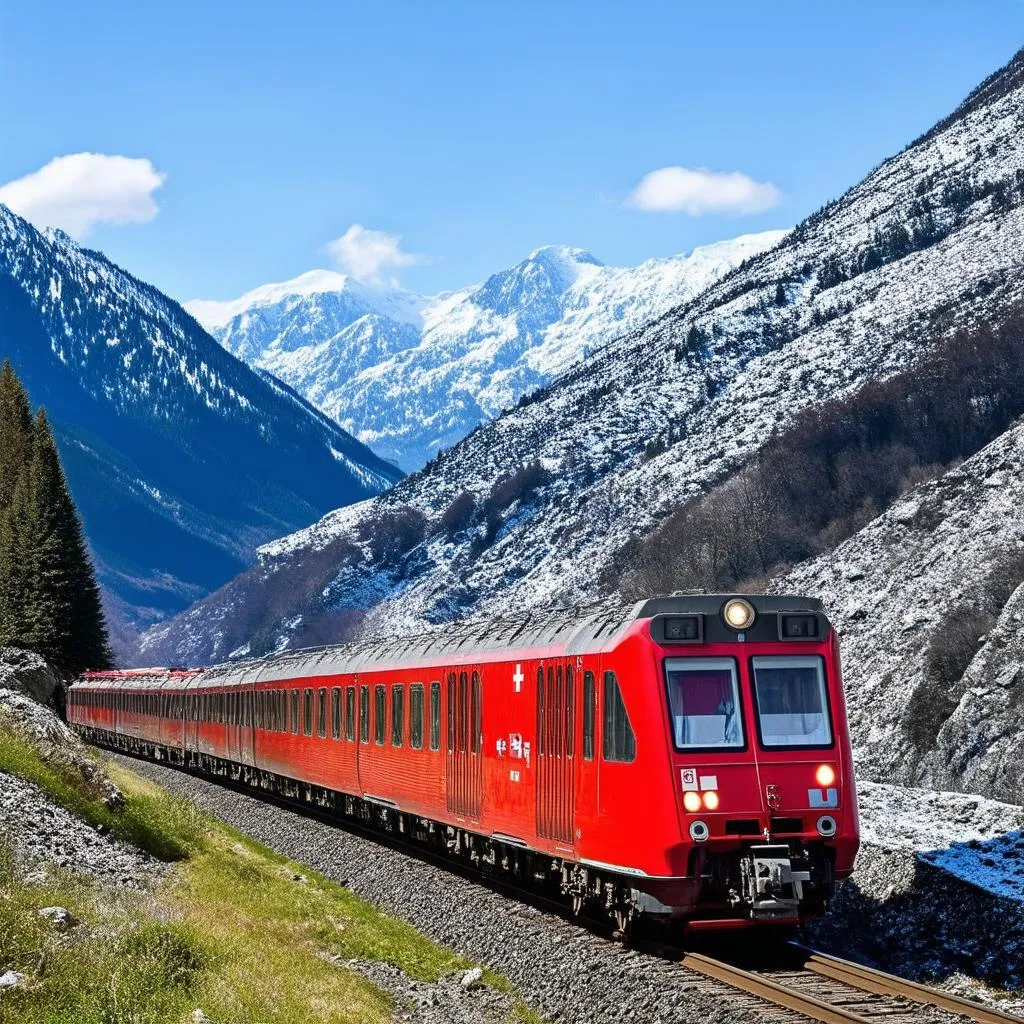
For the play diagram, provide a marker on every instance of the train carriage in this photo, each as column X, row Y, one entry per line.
column 685, row 758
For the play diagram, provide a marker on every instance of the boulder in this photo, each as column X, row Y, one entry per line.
column 27, row 673
column 61, row 918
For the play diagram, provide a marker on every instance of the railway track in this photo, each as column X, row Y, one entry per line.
column 827, row 989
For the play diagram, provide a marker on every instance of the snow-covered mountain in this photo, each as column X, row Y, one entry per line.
column 930, row 242
column 411, row 375
column 182, row 460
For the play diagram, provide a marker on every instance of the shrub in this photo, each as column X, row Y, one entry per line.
column 394, row 533
column 458, row 515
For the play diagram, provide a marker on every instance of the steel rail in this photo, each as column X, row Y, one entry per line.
column 870, row 979
column 764, row 988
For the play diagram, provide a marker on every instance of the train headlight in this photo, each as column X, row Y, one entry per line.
column 825, row 776
column 711, row 800
column 699, row 831
column 738, row 614
column 691, row 801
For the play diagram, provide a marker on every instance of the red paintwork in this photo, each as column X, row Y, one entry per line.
column 627, row 815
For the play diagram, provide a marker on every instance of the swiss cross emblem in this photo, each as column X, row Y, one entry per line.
column 518, row 677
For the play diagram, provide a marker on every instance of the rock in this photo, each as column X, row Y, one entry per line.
column 61, row 919
column 198, row 1017
column 27, row 673
column 10, row 979
column 471, row 978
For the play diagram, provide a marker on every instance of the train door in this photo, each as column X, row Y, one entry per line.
column 464, row 759
column 556, row 750
column 247, row 735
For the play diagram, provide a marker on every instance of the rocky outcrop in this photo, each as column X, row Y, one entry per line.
column 980, row 749
column 26, row 672
column 942, row 560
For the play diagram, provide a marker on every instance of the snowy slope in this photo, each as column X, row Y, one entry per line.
column 410, row 374
column 181, row 459
column 891, row 589
column 930, row 241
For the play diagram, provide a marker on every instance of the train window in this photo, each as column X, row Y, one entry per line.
column 335, row 712
column 451, row 712
column 380, row 707
column 364, row 714
column 247, row 708
column 543, row 699
column 416, row 716
column 282, row 710
column 588, row 716
column 570, row 710
column 307, row 711
column 435, row 716
column 462, row 723
column 350, row 712
column 478, row 715
column 792, row 702
column 704, row 702
column 321, row 712
column 619, row 738
column 397, row 715
column 295, row 712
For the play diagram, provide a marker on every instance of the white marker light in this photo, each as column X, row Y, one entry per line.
column 691, row 801
column 738, row 614
column 711, row 800
column 825, row 776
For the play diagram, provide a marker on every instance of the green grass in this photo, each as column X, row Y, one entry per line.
column 161, row 824
column 231, row 930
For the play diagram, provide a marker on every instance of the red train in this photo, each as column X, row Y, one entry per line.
column 685, row 758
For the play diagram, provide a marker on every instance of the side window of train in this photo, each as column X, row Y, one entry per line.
column 364, row 714
column 570, row 711
column 619, row 738
column 478, row 715
column 380, row 707
column 588, row 716
column 541, row 712
column 307, row 711
column 335, row 712
column 321, row 712
column 452, row 697
column 350, row 712
column 435, row 716
column 416, row 716
column 295, row 712
column 397, row 714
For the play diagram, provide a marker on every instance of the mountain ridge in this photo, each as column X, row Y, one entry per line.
column 411, row 374
column 181, row 459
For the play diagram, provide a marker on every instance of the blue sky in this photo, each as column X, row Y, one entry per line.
column 475, row 132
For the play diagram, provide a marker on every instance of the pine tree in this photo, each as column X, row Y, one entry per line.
column 49, row 598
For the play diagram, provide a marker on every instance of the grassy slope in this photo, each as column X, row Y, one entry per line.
column 234, row 929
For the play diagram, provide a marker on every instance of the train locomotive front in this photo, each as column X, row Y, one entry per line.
column 685, row 758
column 752, row 817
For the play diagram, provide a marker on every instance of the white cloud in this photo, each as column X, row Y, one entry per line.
column 699, row 190
column 79, row 191
column 366, row 254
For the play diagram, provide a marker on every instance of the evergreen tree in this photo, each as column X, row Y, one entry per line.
column 49, row 598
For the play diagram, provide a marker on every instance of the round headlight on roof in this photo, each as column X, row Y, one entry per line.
column 738, row 614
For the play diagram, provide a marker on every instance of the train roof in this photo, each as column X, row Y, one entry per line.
column 571, row 631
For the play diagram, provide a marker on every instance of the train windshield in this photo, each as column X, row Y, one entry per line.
column 792, row 702
column 703, row 697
